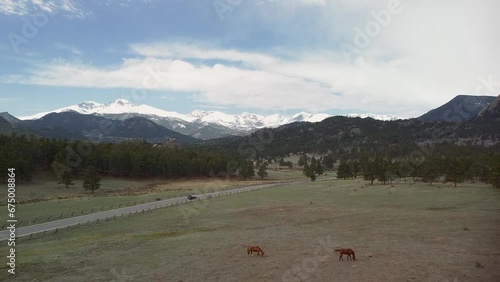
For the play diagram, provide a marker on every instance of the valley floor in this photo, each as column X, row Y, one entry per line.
column 401, row 232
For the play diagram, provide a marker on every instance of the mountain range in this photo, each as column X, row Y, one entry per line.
column 121, row 120
column 75, row 126
column 356, row 137
column 198, row 124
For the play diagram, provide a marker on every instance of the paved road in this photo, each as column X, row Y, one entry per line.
column 63, row 223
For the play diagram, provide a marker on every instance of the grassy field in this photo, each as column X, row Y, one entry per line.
column 400, row 233
column 45, row 200
column 45, row 187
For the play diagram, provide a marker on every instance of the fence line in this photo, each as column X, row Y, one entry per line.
column 225, row 192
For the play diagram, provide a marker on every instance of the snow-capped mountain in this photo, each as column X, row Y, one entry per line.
column 199, row 124
column 119, row 106
column 244, row 121
column 375, row 116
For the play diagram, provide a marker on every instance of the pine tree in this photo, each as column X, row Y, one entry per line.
column 66, row 179
column 308, row 172
column 262, row 170
column 431, row 169
column 494, row 177
column 356, row 169
column 383, row 168
column 246, row 170
column 91, row 180
column 344, row 170
column 328, row 161
column 396, row 168
column 455, row 171
column 369, row 170
column 319, row 168
column 302, row 160
column 313, row 164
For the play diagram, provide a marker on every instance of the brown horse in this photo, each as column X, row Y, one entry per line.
column 347, row 252
column 257, row 249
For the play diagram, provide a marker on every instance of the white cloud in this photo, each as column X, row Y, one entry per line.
column 426, row 55
column 13, row 7
column 26, row 7
column 68, row 48
column 309, row 83
column 181, row 50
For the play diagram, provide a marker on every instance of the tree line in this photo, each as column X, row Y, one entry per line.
column 134, row 159
column 454, row 169
column 447, row 163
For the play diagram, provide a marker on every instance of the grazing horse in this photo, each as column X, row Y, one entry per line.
column 257, row 249
column 347, row 252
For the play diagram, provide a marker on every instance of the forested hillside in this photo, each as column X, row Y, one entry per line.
column 133, row 159
column 382, row 150
column 355, row 137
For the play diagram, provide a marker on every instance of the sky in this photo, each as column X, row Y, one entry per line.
column 395, row 57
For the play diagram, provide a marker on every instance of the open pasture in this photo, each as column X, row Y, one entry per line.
column 45, row 200
column 400, row 233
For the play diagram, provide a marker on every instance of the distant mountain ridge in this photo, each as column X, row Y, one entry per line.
column 75, row 126
column 198, row 124
column 345, row 136
column 460, row 109
column 290, row 137
column 10, row 118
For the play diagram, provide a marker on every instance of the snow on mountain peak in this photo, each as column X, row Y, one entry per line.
column 242, row 122
column 120, row 102
column 198, row 114
column 375, row 116
column 89, row 104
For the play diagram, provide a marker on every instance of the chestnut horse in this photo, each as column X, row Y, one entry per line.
column 347, row 252
column 257, row 249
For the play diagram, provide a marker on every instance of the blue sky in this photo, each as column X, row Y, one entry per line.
column 396, row 57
